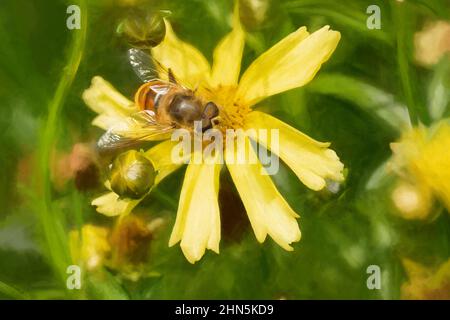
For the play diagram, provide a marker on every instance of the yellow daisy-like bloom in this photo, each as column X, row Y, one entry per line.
column 90, row 247
column 426, row 283
column 421, row 158
column 124, row 248
column 290, row 63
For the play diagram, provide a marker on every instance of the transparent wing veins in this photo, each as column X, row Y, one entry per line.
column 139, row 127
column 144, row 65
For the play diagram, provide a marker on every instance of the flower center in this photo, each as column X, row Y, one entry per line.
column 231, row 114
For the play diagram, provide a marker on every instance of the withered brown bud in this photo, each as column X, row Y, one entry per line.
column 130, row 240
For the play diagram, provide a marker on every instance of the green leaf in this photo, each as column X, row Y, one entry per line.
column 353, row 17
column 11, row 292
column 103, row 285
column 364, row 95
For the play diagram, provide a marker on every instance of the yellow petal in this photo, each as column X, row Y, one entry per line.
column 188, row 64
column 431, row 164
column 415, row 270
column 110, row 104
column 228, row 55
column 410, row 146
column 111, row 205
column 198, row 218
column 312, row 161
column 106, row 121
column 266, row 208
column 161, row 158
column 91, row 247
column 289, row 64
column 160, row 155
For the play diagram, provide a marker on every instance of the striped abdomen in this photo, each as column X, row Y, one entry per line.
column 148, row 94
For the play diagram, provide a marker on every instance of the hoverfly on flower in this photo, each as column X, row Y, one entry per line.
column 163, row 106
column 187, row 90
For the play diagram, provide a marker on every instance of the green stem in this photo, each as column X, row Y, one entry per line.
column 52, row 221
column 403, row 40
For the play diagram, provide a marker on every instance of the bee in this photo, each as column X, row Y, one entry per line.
column 163, row 107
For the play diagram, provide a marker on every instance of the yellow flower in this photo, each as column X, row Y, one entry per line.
column 124, row 248
column 426, row 283
column 290, row 63
column 91, row 247
column 422, row 160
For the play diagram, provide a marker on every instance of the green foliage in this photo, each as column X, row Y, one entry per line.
column 359, row 101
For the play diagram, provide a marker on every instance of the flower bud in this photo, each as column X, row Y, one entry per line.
column 132, row 175
column 143, row 29
column 130, row 241
column 254, row 14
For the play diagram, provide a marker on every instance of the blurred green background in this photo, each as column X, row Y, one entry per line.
column 353, row 103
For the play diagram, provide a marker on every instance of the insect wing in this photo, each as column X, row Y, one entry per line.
column 142, row 64
column 148, row 68
column 140, row 127
column 145, row 66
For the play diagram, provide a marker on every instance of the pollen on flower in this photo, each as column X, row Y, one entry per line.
column 231, row 114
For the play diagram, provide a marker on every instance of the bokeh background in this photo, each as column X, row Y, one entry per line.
column 358, row 101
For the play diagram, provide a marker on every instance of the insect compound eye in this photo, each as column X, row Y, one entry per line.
column 209, row 112
column 185, row 110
